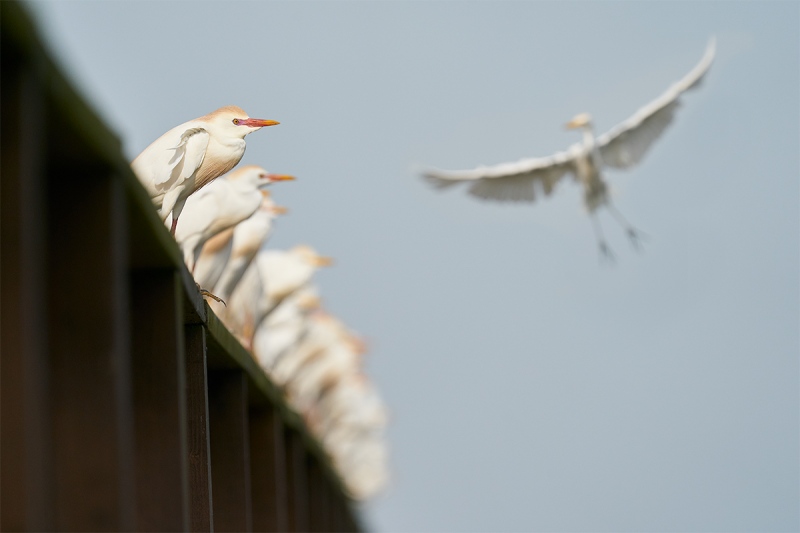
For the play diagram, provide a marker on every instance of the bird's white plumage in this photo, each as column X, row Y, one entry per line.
column 621, row 147
column 191, row 155
column 283, row 328
column 248, row 237
column 272, row 276
column 625, row 144
column 222, row 204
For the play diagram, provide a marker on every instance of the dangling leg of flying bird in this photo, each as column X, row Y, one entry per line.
column 605, row 251
column 636, row 236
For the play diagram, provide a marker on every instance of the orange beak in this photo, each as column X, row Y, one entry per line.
column 322, row 261
column 280, row 177
column 257, row 122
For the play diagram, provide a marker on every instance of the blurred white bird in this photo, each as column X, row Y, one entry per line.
column 248, row 237
column 272, row 276
column 191, row 155
column 224, row 256
column 322, row 331
column 222, row 204
column 350, row 419
column 622, row 147
column 283, row 328
column 338, row 359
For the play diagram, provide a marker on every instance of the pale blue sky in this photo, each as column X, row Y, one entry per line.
column 531, row 388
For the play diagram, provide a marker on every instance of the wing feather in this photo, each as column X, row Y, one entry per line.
column 509, row 182
column 625, row 144
column 187, row 157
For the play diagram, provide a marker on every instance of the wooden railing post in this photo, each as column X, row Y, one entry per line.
column 230, row 450
column 25, row 441
column 89, row 353
column 201, row 509
column 298, row 483
column 268, row 470
column 159, row 382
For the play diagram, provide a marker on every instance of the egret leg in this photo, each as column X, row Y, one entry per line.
column 174, row 225
column 206, row 294
column 605, row 252
column 636, row 236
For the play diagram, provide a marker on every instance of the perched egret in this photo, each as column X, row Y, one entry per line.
column 222, row 204
column 622, row 147
column 272, row 276
column 247, row 238
column 337, row 360
column 283, row 328
column 191, row 155
column 322, row 330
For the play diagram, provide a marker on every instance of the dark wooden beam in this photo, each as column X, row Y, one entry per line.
column 89, row 347
column 201, row 509
column 159, row 382
column 26, row 495
column 230, row 450
column 268, row 470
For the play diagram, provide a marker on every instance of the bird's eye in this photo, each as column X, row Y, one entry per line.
column 236, row 121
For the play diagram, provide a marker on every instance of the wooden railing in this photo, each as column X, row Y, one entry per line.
column 125, row 403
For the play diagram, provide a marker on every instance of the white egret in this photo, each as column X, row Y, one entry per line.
column 272, row 276
column 283, row 328
column 191, row 155
column 247, row 238
column 322, row 330
column 222, row 204
column 622, row 147
column 339, row 358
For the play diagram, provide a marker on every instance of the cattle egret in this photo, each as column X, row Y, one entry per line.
column 272, row 276
column 283, row 328
column 350, row 419
column 224, row 257
column 322, row 331
column 248, row 237
column 337, row 360
column 222, row 204
column 349, row 401
column 622, row 147
column 193, row 154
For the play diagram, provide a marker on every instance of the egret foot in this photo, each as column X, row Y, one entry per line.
column 636, row 237
column 206, row 294
column 606, row 255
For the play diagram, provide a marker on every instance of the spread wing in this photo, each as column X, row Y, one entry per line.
column 510, row 182
column 625, row 144
column 187, row 157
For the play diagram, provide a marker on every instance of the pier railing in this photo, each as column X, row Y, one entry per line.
column 125, row 404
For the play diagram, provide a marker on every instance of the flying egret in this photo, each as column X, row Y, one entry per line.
column 222, row 204
column 622, row 147
column 191, row 155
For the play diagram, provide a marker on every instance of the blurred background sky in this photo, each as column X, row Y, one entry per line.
column 531, row 388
